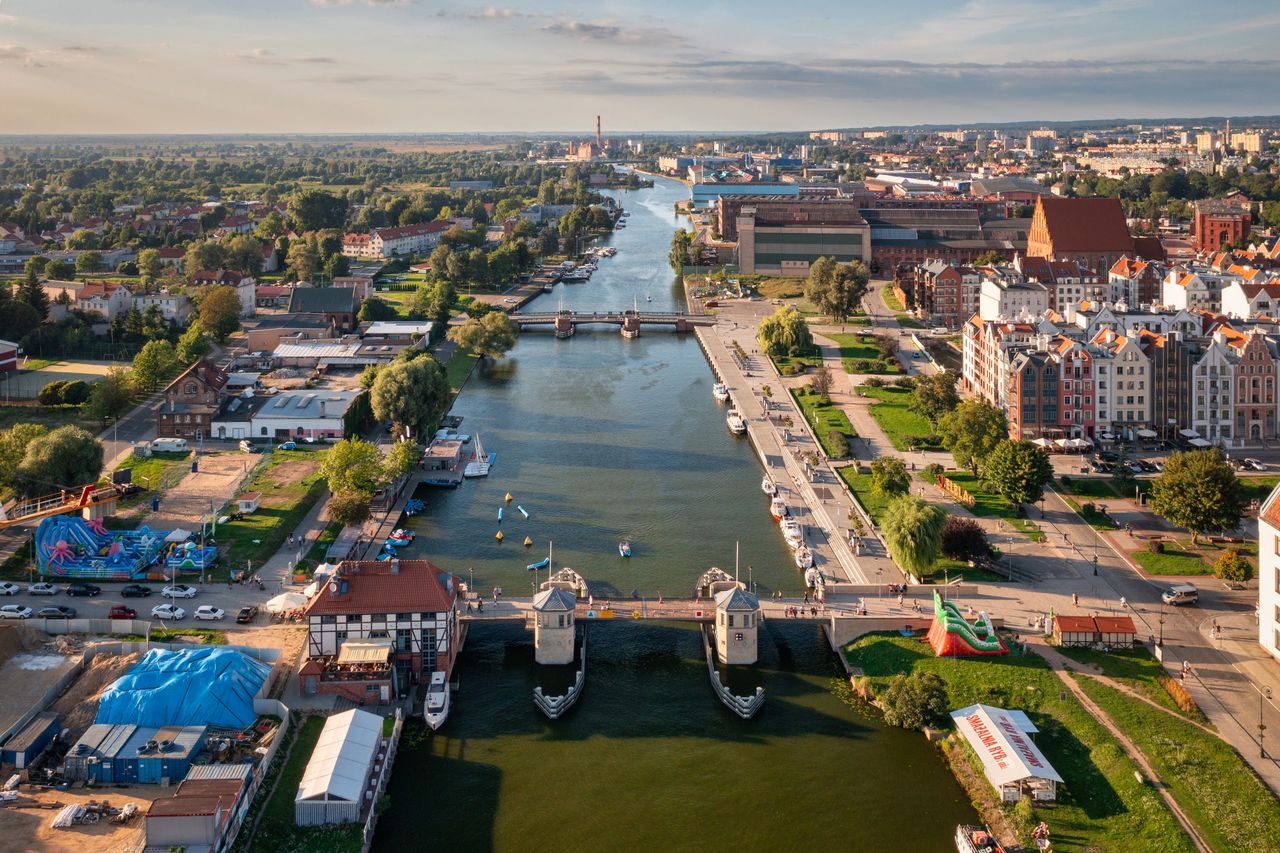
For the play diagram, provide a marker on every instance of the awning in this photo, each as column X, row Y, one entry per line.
column 1007, row 754
column 285, row 601
column 1061, row 442
column 1199, row 442
column 1147, row 433
column 178, row 535
column 364, row 651
column 1079, row 443
column 1188, row 433
column 1041, row 442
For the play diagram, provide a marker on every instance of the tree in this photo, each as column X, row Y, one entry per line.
column 889, row 476
column 401, row 459
column 51, row 393
column 971, row 431
column 68, row 457
column 111, row 397
column 934, row 396
column 1199, row 491
column 678, row 257
column 439, row 260
column 913, row 533
column 821, row 382
column 90, row 261
column 313, row 209
column 375, row 308
column 350, row 507
column 1233, row 568
column 31, row 292
column 490, row 336
column 220, row 311
column 244, row 253
column 149, row 265
column 988, row 258
column 154, row 365
column 194, row 344
column 822, row 274
column 915, row 701
column 964, row 539
column 836, row 289
column 433, row 300
column 785, row 332
column 303, row 260
column 353, row 465
column 1121, row 475
column 412, row 394
column 13, row 448
column 1018, row 470
column 60, row 270
column 204, row 256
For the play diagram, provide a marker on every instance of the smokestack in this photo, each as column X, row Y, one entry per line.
column 598, row 131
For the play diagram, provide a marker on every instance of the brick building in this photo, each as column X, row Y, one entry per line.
column 1090, row 231
column 191, row 401
column 1219, row 223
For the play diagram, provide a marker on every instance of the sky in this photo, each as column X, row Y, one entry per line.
column 433, row 66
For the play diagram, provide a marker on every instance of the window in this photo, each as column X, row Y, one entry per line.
column 738, row 636
column 730, row 620
column 561, row 625
column 190, row 388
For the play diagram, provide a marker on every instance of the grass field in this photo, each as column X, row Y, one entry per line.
column 990, row 505
column 277, row 832
column 1091, row 516
column 860, row 354
column 892, row 414
column 290, row 485
column 1172, row 562
column 53, row 417
column 891, row 299
column 1102, row 805
column 1091, row 489
column 1258, row 488
column 458, row 368
column 1136, row 669
column 906, row 321
column 826, row 420
column 1218, row 791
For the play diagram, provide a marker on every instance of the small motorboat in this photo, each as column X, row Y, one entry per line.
column 812, row 577
column 436, row 708
column 523, row 511
column 399, row 538
column 767, row 486
column 541, row 564
column 778, row 508
column 804, row 558
column 976, row 839
column 414, row 506
column 624, row 548
column 791, row 532
column 734, row 421
column 720, row 391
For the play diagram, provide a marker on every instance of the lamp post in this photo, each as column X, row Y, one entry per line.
column 1264, row 694
column 1160, row 642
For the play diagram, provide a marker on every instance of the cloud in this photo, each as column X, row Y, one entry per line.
column 366, row 2
column 610, row 31
column 43, row 57
column 262, row 56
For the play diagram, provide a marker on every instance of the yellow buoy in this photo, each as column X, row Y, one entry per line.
column 498, row 536
column 509, row 498
column 527, row 541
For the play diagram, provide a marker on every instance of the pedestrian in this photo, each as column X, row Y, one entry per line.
column 900, row 597
column 1075, row 599
column 495, row 595
column 1123, row 603
column 479, row 605
column 806, row 597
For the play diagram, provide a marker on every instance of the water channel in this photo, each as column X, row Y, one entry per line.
column 602, row 438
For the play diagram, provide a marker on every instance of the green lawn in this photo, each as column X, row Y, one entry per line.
column 1102, row 806
column 891, row 299
column 1216, row 788
column 1092, row 517
column 906, row 321
column 155, row 473
column 860, row 354
column 898, row 423
column 320, row 547
column 990, row 505
column 288, row 494
column 1171, row 562
column 1258, row 488
column 15, row 568
column 1092, row 488
column 860, row 484
column 789, row 365
column 277, row 832
column 53, row 417
column 1136, row 669
column 826, row 419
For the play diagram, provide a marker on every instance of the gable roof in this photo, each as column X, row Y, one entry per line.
column 369, row 586
column 342, row 757
column 205, row 371
column 1084, row 224
column 322, row 300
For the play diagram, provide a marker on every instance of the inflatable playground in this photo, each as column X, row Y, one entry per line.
column 67, row 546
column 951, row 635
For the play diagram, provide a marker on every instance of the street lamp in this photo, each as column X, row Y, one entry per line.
column 1264, row 694
column 1161, row 641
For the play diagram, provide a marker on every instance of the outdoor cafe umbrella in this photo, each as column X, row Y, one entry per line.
column 285, row 601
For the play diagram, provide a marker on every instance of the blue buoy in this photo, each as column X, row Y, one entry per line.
column 523, row 511
column 499, row 513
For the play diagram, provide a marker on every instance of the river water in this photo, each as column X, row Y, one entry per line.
column 601, row 438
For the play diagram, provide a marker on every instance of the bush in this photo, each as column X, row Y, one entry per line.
column 964, row 539
column 76, row 392
column 915, row 701
column 931, row 472
column 837, row 438
column 874, row 382
column 1179, row 695
column 1066, row 480
column 52, row 394
column 1232, row 567
column 1155, row 546
column 905, row 382
column 1089, row 508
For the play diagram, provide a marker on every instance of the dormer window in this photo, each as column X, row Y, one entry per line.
column 190, row 388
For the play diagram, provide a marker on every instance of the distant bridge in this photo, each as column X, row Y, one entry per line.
column 629, row 322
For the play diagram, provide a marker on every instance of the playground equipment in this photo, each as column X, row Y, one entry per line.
column 70, row 547
column 952, row 636
column 32, row 509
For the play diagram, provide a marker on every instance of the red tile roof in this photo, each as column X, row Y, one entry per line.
column 1115, row 625
column 370, row 587
column 1074, row 624
column 1085, row 224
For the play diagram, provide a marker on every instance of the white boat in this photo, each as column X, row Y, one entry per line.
column 736, row 424
column 720, row 391
column 812, row 577
column 804, row 558
column 778, row 507
column 791, row 532
column 768, row 486
column 436, row 709
column 480, row 462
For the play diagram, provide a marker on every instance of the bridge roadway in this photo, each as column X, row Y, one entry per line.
column 680, row 320
column 702, row 610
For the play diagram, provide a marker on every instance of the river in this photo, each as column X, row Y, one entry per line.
column 602, row 438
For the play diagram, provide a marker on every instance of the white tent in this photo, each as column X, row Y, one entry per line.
column 1188, row 433
column 332, row 787
column 1199, row 442
column 1146, row 433
column 1078, row 443
column 285, row 601
column 178, row 535
column 1041, row 442
column 1009, row 757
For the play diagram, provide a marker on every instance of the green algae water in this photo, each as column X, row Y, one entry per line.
column 601, row 438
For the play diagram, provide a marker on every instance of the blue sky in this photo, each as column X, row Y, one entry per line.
column 97, row 66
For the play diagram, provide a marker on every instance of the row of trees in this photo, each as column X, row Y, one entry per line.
column 35, row 461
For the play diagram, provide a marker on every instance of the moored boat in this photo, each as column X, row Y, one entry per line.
column 436, row 708
column 720, row 391
column 791, row 532
column 976, row 839
column 480, row 462
column 624, row 548
column 541, row 564
column 734, row 421
column 769, row 487
column 804, row 558
column 777, row 508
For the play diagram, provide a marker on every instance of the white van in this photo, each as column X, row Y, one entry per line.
column 169, row 445
column 1182, row 593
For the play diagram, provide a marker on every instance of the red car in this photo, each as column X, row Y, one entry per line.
column 122, row 612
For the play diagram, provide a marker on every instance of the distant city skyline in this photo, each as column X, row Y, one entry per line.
column 298, row 66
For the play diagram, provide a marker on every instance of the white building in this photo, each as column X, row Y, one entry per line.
column 1213, row 400
column 1123, row 384
column 304, row 414
column 340, row 770
column 1247, row 301
column 173, row 306
column 1001, row 300
column 391, row 242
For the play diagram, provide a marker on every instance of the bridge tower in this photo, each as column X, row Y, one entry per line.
column 630, row 324
column 553, row 630
column 736, row 626
column 564, row 323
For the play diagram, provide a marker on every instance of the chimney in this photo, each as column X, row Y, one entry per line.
column 597, row 131
column 395, row 565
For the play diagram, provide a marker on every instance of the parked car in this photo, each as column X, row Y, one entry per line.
column 15, row 611
column 122, row 612
column 1135, row 467
column 289, row 445
column 209, row 612
column 7, row 588
column 56, row 611
column 135, row 590
column 249, row 447
column 1109, row 456
column 247, row 615
column 1147, row 466
column 1159, row 464
column 1254, row 465
column 179, row 591
column 167, row 611
column 82, row 588
column 42, row 588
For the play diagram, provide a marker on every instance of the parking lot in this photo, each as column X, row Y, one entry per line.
column 99, row 606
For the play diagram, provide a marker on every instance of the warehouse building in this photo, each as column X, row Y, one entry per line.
column 129, row 755
column 341, row 770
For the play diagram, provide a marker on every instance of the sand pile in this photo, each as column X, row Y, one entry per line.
column 78, row 704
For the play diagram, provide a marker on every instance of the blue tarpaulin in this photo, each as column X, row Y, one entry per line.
column 191, row 687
